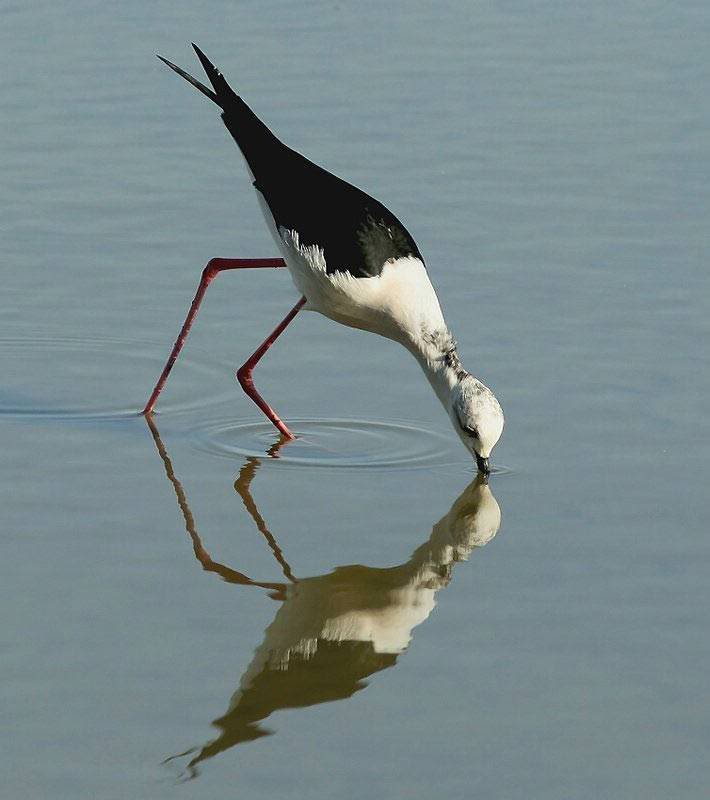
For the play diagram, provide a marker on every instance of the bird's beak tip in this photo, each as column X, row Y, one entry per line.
column 483, row 466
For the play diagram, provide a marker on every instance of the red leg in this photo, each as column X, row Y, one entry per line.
column 244, row 373
column 215, row 266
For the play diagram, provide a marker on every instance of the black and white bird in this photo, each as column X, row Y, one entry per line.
column 352, row 260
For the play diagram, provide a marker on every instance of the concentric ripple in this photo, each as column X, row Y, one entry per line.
column 329, row 443
column 88, row 379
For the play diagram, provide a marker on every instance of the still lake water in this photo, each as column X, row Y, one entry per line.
column 553, row 163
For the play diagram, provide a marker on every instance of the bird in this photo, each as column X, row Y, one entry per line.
column 352, row 261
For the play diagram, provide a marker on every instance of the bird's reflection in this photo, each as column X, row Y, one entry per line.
column 332, row 631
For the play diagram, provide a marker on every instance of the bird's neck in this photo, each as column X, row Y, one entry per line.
column 435, row 350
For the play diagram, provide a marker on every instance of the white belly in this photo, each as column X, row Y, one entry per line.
column 394, row 304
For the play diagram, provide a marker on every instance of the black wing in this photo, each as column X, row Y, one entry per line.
column 356, row 232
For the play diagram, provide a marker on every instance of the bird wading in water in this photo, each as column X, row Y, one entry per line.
column 352, row 260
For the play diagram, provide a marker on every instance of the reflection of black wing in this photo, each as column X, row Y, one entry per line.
column 334, row 672
column 356, row 232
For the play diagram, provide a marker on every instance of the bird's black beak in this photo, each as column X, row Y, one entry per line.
column 482, row 463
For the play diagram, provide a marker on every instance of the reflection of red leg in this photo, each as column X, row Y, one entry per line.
column 243, row 488
column 215, row 266
column 225, row 572
column 244, row 373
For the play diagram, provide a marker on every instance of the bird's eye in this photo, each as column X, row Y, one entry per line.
column 471, row 431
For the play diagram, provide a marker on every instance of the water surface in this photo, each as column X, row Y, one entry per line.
column 552, row 164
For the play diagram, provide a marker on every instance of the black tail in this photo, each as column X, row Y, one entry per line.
column 223, row 95
column 258, row 144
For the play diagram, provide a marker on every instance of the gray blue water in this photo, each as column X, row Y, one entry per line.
column 552, row 161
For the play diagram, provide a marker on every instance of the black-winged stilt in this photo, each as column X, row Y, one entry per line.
column 352, row 260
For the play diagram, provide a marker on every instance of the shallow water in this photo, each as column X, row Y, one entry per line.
column 181, row 610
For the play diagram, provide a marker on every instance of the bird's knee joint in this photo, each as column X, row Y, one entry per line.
column 209, row 273
column 244, row 376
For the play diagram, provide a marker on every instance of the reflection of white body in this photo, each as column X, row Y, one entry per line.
column 376, row 607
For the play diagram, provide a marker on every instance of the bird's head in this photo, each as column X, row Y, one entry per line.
column 477, row 418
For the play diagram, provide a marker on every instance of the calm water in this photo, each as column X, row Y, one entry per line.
column 184, row 616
